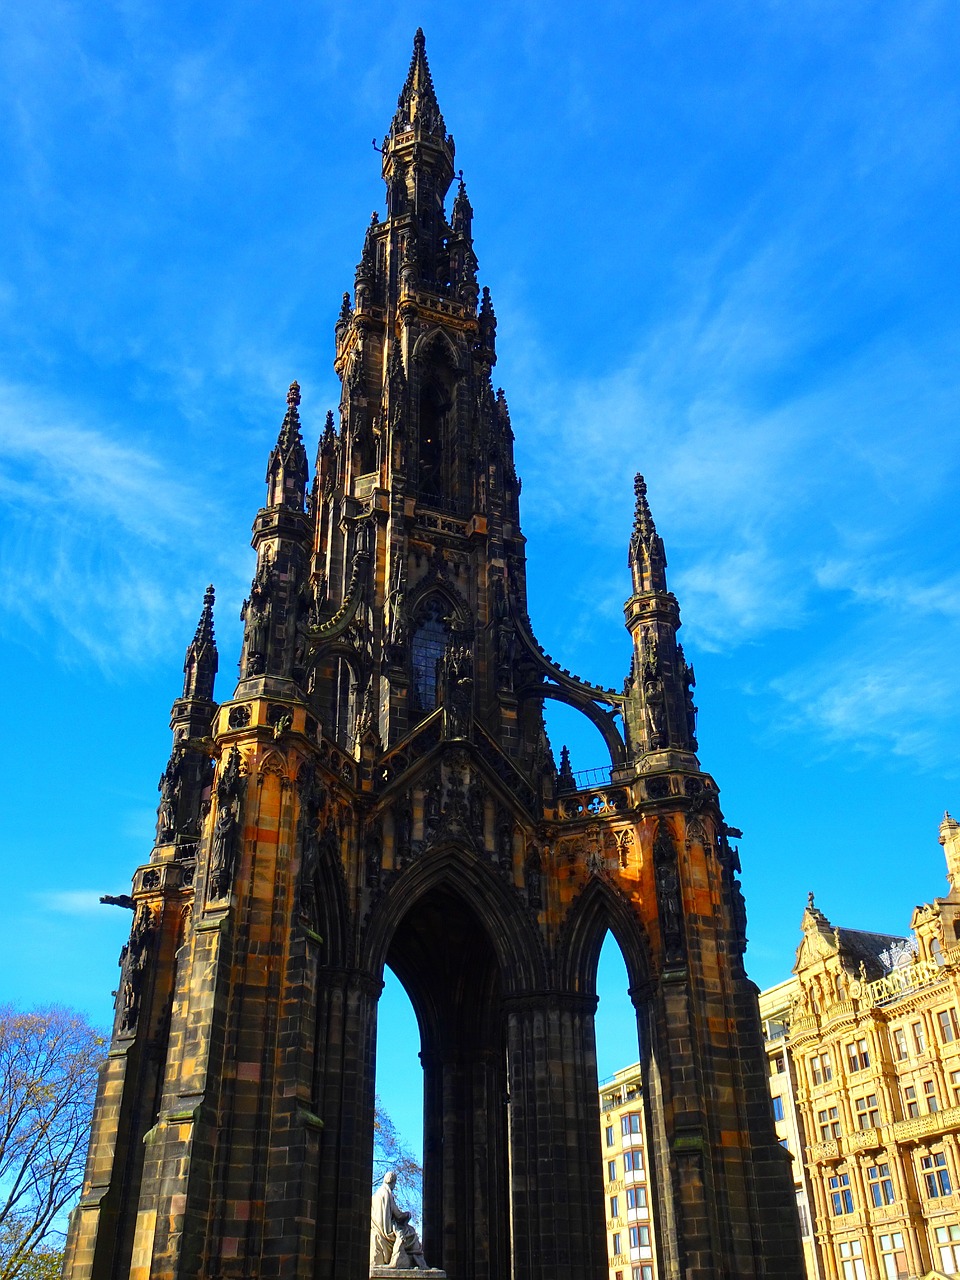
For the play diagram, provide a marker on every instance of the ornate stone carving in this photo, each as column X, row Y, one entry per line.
column 230, row 789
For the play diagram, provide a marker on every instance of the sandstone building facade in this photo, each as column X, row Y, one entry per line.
column 874, row 1054
column 378, row 789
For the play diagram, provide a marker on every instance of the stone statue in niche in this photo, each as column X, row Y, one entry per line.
column 169, row 788
column 668, row 893
column 394, row 1242
column 133, row 959
column 533, row 876
column 455, row 681
column 402, row 835
column 256, row 614
column 227, row 827
column 656, row 712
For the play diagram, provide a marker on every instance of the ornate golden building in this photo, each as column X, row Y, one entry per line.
column 874, row 1043
column 379, row 789
column 630, row 1242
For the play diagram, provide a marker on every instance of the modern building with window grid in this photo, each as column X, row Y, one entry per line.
column 630, row 1244
column 867, row 1041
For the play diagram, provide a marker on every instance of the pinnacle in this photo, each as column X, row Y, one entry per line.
column 417, row 103
column 290, row 428
column 204, row 632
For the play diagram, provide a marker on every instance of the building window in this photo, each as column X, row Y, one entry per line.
column 778, row 1065
column 841, row 1197
column 429, row 644
column 778, row 1107
column 639, row 1237
column 633, row 1160
column 900, row 1051
column 911, row 1105
column 609, row 1133
column 785, row 1143
column 919, row 1039
column 892, row 1257
column 949, row 1030
column 930, row 1096
column 948, row 1244
column 618, row 1275
column 821, row 1068
column 851, row 1260
column 643, row 1272
column 615, row 1243
column 630, row 1124
column 936, row 1179
column 868, row 1112
column 614, row 1206
column 636, row 1197
column 611, row 1170
column 881, row 1185
column 857, row 1055
column 955, row 1087
column 829, row 1120
column 804, row 1218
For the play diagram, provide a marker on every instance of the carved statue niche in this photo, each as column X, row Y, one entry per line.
column 455, row 685
column 169, row 786
column 256, row 614
column 478, row 812
column 431, row 811
column 230, row 790
column 312, row 796
column 533, row 875
column 373, row 853
column 506, row 636
column 505, row 843
column 402, row 834
column 133, row 960
column 656, row 712
column 668, row 893
column 688, row 681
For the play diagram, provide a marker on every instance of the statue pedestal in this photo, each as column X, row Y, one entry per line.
column 407, row 1273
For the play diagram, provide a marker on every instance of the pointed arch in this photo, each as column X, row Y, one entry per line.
column 516, row 943
column 599, row 908
column 436, row 347
column 604, row 721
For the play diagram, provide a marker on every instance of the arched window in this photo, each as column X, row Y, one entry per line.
column 343, row 709
column 433, row 409
column 430, row 638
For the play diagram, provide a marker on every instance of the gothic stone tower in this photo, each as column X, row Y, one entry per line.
column 379, row 789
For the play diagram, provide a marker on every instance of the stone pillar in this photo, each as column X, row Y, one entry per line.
column 554, row 1122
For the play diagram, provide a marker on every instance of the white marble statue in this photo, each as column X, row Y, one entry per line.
column 393, row 1241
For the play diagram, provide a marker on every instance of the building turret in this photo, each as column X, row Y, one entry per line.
column 660, row 713
column 287, row 468
column 200, row 663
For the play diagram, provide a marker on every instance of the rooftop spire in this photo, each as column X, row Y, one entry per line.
column 647, row 558
column 287, row 467
column 417, row 104
column 200, row 663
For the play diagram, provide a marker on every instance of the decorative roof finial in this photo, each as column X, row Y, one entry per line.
column 647, row 558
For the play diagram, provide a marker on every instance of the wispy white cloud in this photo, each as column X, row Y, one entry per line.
column 104, row 539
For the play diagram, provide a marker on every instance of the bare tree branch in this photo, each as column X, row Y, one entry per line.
column 49, row 1060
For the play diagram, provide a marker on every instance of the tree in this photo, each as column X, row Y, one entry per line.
column 48, row 1079
column 391, row 1152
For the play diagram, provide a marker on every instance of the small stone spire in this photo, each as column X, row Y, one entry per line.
column 200, row 663
column 287, row 468
column 565, row 779
column 488, row 331
column 461, row 222
column 647, row 558
column 417, row 106
column 328, row 441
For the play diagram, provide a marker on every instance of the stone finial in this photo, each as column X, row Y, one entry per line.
column 950, row 839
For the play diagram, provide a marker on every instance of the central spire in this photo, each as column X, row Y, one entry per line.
column 417, row 105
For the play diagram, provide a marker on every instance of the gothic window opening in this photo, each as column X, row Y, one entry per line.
column 343, row 711
column 434, row 404
column 430, row 639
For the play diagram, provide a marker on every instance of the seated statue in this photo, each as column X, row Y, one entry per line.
column 393, row 1241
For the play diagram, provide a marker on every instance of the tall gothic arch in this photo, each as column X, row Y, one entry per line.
column 377, row 792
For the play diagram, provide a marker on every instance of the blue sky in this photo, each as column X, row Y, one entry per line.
column 722, row 242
